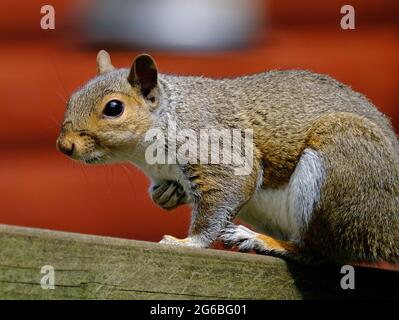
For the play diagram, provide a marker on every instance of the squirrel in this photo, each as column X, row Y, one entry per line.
column 324, row 180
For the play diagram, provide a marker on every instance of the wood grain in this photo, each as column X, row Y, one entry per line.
column 94, row 267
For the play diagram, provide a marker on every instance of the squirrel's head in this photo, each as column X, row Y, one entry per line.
column 109, row 115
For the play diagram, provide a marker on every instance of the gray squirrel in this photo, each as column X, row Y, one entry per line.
column 324, row 179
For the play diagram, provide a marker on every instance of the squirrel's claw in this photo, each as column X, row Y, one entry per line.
column 168, row 195
column 241, row 237
column 187, row 242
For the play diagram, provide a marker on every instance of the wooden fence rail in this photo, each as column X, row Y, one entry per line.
column 93, row 267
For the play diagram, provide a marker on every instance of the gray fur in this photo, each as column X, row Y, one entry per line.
column 289, row 112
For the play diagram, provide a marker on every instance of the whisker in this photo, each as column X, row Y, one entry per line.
column 82, row 169
column 125, row 170
column 63, row 99
column 58, row 123
column 128, row 176
column 105, row 170
column 57, row 73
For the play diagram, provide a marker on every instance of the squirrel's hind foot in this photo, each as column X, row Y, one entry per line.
column 247, row 240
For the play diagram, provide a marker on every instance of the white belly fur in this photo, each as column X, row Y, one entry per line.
column 268, row 212
column 283, row 213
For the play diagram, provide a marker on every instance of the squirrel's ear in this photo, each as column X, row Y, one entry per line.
column 144, row 73
column 104, row 62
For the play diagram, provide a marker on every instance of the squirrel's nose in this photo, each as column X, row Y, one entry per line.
column 66, row 147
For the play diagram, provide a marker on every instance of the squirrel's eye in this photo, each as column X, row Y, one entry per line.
column 113, row 108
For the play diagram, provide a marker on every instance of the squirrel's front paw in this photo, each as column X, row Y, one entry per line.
column 168, row 195
column 187, row 242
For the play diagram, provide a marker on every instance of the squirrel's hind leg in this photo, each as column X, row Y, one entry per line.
column 247, row 240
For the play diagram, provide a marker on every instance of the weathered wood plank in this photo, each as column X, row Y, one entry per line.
column 93, row 267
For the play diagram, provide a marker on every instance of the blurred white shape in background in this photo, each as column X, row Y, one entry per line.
column 173, row 24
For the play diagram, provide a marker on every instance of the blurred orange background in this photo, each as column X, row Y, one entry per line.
column 40, row 187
